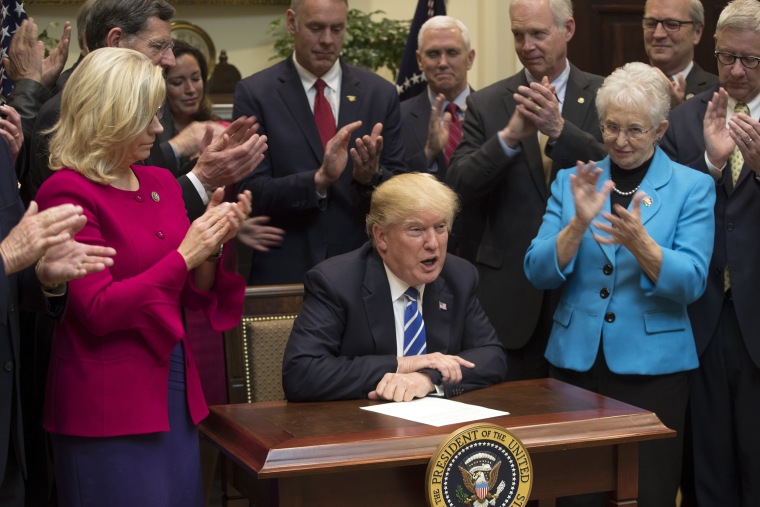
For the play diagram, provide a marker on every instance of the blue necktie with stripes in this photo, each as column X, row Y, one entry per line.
column 414, row 327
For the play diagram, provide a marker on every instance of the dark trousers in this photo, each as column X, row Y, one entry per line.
column 725, row 418
column 12, row 484
column 528, row 362
column 659, row 460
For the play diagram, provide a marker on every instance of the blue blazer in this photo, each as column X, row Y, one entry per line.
column 643, row 326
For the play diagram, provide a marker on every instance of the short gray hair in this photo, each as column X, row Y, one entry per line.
column 636, row 86
column 444, row 23
column 295, row 5
column 562, row 10
column 740, row 15
column 696, row 11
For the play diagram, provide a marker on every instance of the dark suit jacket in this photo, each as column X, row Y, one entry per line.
column 737, row 231
column 514, row 192
column 38, row 170
column 344, row 339
column 415, row 117
column 468, row 226
column 17, row 291
column 699, row 80
column 283, row 184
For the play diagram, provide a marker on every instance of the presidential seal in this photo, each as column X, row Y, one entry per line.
column 479, row 465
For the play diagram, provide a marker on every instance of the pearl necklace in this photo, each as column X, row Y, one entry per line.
column 626, row 194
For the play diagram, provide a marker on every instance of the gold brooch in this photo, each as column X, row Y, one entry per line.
column 647, row 201
column 154, row 196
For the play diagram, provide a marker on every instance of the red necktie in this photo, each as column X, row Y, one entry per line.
column 323, row 114
column 455, row 131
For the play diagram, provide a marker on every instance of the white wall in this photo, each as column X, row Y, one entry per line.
column 241, row 31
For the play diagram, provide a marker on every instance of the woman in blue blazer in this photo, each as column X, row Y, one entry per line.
column 629, row 239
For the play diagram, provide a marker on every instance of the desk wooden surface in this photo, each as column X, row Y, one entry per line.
column 281, row 439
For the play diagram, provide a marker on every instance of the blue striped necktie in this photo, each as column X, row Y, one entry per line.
column 414, row 326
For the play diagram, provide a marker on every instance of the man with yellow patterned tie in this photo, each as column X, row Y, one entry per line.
column 499, row 167
column 718, row 132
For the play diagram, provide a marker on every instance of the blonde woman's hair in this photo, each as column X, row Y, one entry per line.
column 108, row 102
column 400, row 198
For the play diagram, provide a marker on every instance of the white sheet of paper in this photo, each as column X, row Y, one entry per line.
column 435, row 411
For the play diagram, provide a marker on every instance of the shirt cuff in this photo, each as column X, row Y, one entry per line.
column 198, row 187
column 54, row 292
column 715, row 172
column 510, row 152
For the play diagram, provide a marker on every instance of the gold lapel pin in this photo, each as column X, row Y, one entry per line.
column 581, row 100
column 647, row 201
column 351, row 98
column 154, row 196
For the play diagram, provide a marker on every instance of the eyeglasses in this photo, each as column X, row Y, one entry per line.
column 158, row 114
column 157, row 46
column 612, row 130
column 726, row 58
column 670, row 25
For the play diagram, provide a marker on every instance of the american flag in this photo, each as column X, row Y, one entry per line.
column 13, row 15
column 410, row 80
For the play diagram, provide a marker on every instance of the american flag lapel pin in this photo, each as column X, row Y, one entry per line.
column 442, row 306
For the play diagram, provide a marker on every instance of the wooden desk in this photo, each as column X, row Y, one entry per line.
column 333, row 453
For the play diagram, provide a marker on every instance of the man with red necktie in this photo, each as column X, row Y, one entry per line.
column 333, row 134
column 431, row 122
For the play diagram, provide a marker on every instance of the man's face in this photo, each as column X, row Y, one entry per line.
column 154, row 41
column 318, row 31
column 671, row 52
column 414, row 250
column 444, row 60
column 741, row 83
column 540, row 44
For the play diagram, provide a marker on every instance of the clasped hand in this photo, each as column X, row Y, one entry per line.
column 409, row 383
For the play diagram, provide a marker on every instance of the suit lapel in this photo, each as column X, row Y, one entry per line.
column 351, row 98
column 378, row 305
column 658, row 175
column 293, row 95
column 437, row 306
column 578, row 99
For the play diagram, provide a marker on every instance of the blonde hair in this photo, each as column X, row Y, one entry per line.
column 108, row 102
column 401, row 197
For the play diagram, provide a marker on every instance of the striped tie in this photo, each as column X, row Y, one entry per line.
column 455, row 131
column 414, row 326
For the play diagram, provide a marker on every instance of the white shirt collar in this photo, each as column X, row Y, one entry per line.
column 398, row 286
column 332, row 77
column 460, row 100
column 754, row 107
column 685, row 72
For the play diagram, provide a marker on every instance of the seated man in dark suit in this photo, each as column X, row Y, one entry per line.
column 396, row 319
column 672, row 28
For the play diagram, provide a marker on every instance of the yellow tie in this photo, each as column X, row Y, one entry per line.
column 736, row 160
column 735, row 163
column 547, row 162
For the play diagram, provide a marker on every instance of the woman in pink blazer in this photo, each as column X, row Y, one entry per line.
column 123, row 395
